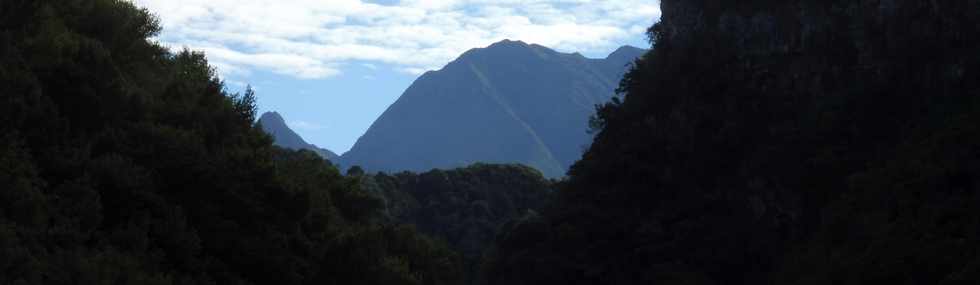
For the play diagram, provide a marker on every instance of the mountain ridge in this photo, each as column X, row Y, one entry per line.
column 274, row 124
column 501, row 87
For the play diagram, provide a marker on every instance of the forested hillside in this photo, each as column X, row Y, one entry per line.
column 466, row 207
column 124, row 163
column 777, row 142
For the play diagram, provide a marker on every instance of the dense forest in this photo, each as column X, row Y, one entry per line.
column 466, row 207
column 776, row 142
column 124, row 163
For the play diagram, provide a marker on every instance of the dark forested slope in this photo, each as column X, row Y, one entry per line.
column 777, row 142
column 466, row 207
column 510, row 102
column 124, row 163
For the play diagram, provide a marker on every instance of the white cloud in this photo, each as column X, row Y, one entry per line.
column 306, row 126
column 315, row 38
column 412, row 70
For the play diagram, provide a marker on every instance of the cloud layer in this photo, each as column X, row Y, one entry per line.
column 317, row 38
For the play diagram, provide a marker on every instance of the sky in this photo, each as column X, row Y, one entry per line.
column 331, row 67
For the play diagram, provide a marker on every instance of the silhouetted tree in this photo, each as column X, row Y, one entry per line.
column 124, row 163
column 775, row 142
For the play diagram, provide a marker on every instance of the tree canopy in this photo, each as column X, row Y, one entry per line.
column 466, row 207
column 124, row 163
column 776, row 142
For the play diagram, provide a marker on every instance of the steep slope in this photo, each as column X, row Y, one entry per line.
column 273, row 124
column 508, row 103
column 124, row 163
column 777, row 142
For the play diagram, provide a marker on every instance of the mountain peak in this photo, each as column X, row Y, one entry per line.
column 508, row 43
column 509, row 50
column 505, row 49
column 627, row 51
column 273, row 124
column 272, row 117
column 441, row 121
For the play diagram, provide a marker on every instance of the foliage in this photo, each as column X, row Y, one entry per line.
column 124, row 163
column 466, row 207
column 776, row 142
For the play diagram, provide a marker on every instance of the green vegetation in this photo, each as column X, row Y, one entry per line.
column 123, row 163
column 777, row 142
column 466, row 207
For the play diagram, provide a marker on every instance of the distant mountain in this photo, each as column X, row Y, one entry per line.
column 510, row 102
column 275, row 125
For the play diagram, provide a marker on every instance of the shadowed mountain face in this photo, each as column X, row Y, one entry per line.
column 508, row 103
column 285, row 137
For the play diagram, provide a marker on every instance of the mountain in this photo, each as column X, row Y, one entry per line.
column 510, row 102
column 275, row 125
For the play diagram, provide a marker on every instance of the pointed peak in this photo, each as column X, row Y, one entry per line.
column 627, row 51
column 272, row 117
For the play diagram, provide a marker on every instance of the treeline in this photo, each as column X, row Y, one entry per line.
column 124, row 163
column 465, row 207
column 777, row 142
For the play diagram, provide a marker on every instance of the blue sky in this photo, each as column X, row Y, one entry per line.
column 331, row 67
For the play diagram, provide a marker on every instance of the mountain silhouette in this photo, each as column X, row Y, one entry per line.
column 510, row 102
column 275, row 125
